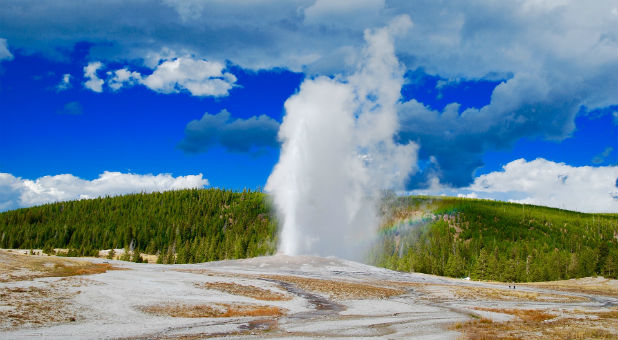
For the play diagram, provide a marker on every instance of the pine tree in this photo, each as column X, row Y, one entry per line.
column 137, row 257
column 481, row 269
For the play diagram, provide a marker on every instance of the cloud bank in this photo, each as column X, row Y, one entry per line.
column 543, row 182
column 523, row 106
column 17, row 192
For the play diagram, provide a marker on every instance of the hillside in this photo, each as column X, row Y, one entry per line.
column 185, row 226
column 493, row 240
column 443, row 236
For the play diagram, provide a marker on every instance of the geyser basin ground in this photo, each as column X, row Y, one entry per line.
column 283, row 297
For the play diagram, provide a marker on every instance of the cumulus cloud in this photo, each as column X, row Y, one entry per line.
column 199, row 77
column 93, row 81
column 16, row 192
column 543, row 182
column 585, row 188
column 239, row 135
column 122, row 77
column 184, row 74
column 5, row 54
column 65, row 83
column 523, row 106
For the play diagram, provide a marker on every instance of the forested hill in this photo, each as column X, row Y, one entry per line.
column 493, row 240
column 185, row 226
column 444, row 236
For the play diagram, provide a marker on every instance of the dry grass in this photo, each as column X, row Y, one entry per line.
column 209, row 272
column 588, row 285
column 215, row 310
column 484, row 293
column 531, row 315
column 16, row 267
column 248, row 291
column 446, row 292
column 541, row 324
column 35, row 307
column 340, row 290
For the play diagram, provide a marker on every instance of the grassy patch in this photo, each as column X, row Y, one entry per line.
column 35, row 307
column 446, row 292
column 248, row 291
column 215, row 310
column 341, row 290
column 589, row 285
column 541, row 324
column 485, row 293
column 15, row 267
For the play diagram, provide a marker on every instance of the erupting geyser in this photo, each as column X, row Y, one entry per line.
column 338, row 153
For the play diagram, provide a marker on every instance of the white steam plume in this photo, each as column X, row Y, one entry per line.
column 338, row 153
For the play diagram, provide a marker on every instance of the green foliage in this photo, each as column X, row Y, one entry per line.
column 184, row 226
column 137, row 257
column 492, row 240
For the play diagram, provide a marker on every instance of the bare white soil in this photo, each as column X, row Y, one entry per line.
column 118, row 304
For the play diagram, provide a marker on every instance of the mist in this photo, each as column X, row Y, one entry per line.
column 338, row 153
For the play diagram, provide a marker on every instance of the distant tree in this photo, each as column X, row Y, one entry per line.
column 126, row 255
column 137, row 257
column 111, row 254
column 481, row 269
column 455, row 266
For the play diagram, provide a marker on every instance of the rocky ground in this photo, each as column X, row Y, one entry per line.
column 286, row 297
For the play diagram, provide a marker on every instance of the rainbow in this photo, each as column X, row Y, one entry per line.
column 407, row 223
column 420, row 218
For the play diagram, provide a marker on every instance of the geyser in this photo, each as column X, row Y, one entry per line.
column 338, row 153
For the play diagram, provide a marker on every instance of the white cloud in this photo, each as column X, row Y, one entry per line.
column 196, row 76
column 65, row 83
column 93, row 83
column 328, row 12
column 16, row 192
column 543, row 182
column 199, row 77
column 5, row 54
column 123, row 77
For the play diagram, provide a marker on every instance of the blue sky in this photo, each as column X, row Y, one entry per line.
column 193, row 87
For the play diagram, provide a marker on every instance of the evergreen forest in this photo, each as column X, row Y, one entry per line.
column 184, row 226
column 492, row 240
